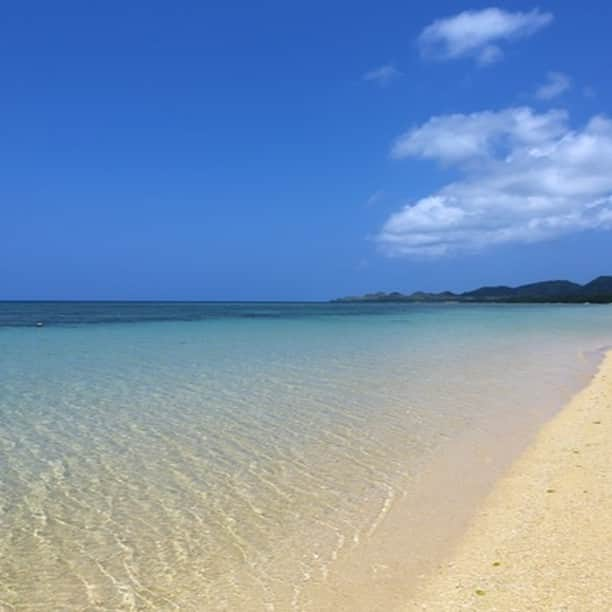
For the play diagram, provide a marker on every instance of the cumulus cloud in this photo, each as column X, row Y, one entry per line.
column 479, row 34
column 383, row 75
column 556, row 84
column 526, row 177
column 456, row 138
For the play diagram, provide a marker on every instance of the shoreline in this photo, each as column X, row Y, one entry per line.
column 541, row 540
column 357, row 517
column 434, row 511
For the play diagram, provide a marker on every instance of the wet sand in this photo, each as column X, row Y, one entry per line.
column 542, row 539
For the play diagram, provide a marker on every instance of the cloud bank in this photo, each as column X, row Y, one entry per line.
column 526, row 177
column 479, row 34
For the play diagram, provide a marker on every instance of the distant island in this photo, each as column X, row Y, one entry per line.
column 597, row 291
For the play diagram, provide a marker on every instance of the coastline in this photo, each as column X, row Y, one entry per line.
column 433, row 512
column 542, row 539
column 419, row 424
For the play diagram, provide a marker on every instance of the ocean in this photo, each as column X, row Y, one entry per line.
column 261, row 456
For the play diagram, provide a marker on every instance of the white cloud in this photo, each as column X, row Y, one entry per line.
column 383, row 75
column 556, row 84
column 455, row 138
column 478, row 34
column 526, row 177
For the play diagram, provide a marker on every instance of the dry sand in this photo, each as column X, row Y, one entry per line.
column 543, row 538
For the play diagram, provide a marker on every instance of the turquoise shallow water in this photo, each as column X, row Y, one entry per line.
column 210, row 456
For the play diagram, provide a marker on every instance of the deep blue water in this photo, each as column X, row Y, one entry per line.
column 29, row 314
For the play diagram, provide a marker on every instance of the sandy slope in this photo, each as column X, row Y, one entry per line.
column 543, row 538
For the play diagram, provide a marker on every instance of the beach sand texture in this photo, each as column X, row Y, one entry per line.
column 543, row 538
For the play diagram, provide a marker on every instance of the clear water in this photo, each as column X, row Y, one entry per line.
column 230, row 456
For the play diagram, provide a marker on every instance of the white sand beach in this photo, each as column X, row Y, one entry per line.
column 543, row 538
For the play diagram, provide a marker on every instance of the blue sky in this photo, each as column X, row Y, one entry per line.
column 280, row 150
